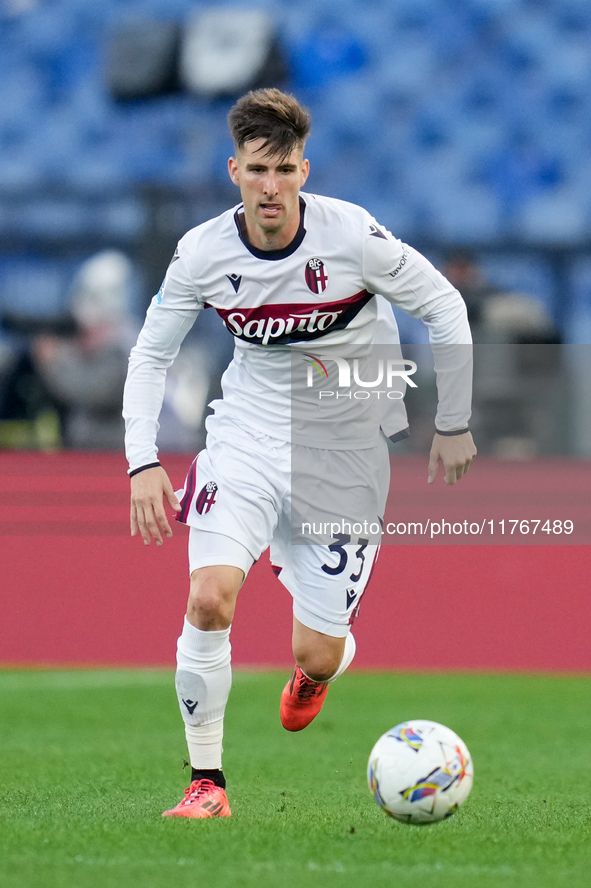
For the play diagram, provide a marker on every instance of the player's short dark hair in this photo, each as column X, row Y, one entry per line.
column 272, row 115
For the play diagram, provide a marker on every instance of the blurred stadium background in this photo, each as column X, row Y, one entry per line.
column 464, row 127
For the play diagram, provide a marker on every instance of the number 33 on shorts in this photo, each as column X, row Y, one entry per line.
column 354, row 566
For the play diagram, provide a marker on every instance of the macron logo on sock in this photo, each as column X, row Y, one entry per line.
column 191, row 706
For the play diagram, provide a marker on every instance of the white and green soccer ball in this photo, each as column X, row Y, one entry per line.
column 420, row 772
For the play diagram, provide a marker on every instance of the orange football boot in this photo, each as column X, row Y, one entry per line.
column 202, row 799
column 301, row 700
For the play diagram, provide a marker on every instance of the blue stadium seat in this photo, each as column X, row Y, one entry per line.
column 37, row 286
column 520, row 273
column 578, row 321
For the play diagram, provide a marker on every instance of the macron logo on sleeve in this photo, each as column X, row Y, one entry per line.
column 377, row 232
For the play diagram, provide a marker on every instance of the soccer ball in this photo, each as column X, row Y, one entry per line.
column 420, row 772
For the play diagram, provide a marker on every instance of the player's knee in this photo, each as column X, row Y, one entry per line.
column 211, row 601
column 318, row 664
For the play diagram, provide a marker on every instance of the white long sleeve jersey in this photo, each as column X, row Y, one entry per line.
column 326, row 292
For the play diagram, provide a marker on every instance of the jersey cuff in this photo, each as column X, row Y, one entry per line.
column 453, row 432
column 399, row 436
column 133, row 472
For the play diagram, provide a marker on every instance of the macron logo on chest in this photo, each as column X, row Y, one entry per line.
column 235, row 280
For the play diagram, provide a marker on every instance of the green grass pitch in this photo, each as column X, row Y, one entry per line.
column 89, row 759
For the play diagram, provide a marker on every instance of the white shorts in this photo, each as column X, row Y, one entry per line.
column 237, row 500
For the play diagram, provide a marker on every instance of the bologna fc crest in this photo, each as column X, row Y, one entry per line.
column 316, row 276
column 206, row 497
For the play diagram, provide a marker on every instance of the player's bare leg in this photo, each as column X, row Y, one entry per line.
column 317, row 654
column 203, row 682
column 212, row 596
column 320, row 659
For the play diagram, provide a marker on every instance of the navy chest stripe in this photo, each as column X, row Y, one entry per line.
column 289, row 322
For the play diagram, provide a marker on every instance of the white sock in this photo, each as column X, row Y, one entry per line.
column 205, row 745
column 348, row 654
column 203, row 682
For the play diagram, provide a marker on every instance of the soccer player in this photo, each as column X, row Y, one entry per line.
column 289, row 272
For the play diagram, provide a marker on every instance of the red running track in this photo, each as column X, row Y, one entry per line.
column 77, row 590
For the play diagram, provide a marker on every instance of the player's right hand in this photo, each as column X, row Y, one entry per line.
column 149, row 490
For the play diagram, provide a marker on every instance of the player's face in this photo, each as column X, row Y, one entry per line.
column 270, row 188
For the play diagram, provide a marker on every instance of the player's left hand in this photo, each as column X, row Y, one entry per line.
column 456, row 452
